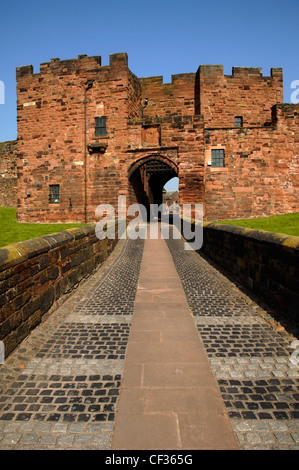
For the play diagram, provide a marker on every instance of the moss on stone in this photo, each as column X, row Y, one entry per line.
column 292, row 242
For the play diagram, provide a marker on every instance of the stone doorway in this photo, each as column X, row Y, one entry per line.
column 147, row 177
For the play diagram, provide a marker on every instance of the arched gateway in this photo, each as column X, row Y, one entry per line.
column 147, row 177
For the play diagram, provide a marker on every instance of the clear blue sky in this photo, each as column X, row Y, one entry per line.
column 161, row 37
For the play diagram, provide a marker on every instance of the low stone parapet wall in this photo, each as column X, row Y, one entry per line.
column 266, row 263
column 37, row 275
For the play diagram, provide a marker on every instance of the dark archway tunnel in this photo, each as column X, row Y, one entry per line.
column 148, row 176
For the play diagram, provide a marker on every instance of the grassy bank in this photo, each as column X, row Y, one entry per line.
column 13, row 231
column 286, row 223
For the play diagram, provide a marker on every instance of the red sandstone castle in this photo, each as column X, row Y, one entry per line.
column 88, row 133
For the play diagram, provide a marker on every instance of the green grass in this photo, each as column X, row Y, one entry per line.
column 286, row 223
column 13, row 231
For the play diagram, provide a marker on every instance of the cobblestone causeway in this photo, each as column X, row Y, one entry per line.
column 249, row 353
column 59, row 389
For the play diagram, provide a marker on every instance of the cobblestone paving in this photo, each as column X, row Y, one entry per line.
column 59, row 398
column 59, row 389
column 249, row 353
column 93, row 341
column 115, row 293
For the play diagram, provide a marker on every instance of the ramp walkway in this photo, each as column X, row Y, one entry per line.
column 156, row 350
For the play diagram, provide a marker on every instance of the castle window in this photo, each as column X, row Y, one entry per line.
column 54, row 194
column 100, row 126
column 239, row 121
column 218, row 158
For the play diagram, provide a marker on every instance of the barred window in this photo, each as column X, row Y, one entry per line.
column 218, row 157
column 54, row 194
column 100, row 126
column 238, row 121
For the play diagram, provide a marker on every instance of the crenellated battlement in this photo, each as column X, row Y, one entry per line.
column 70, row 66
column 254, row 72
column 246, row 93
column 175, row 79
column 82, row 63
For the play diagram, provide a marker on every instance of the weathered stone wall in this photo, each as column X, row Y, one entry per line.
column 245, row 93
column 266, row 263
column 8, row 174
column 179, row 139
column 169, row 99
column 51, row 125
column 37, row 275
column 182, row 123
column 261, row 173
